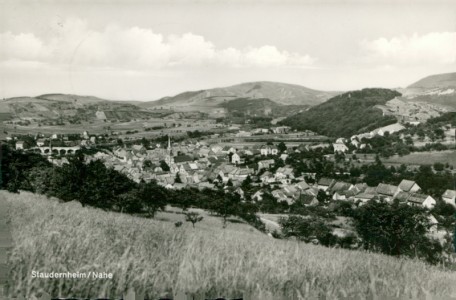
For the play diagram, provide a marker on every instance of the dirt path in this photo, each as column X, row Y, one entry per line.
column 5, row 243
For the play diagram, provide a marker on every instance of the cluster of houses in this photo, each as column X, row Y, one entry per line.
column 407, row 191
column 186, row 164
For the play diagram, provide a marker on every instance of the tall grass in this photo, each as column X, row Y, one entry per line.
column 155, row 257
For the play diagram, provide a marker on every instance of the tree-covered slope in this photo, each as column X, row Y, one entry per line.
column 347, row 114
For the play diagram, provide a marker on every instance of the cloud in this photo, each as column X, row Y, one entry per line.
column 432, row 48
column 74, row 43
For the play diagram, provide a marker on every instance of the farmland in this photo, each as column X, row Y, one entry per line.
column 155, row 256
column 424, row 158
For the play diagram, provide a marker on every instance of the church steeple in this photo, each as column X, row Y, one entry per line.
column 169, row 145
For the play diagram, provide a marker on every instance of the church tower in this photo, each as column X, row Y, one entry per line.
column 169, row 157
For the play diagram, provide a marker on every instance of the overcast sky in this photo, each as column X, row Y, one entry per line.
column 144, row 50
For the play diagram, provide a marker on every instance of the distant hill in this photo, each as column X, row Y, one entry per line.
column 69, row 108
column 437, row 89
column 347, row 114
column 436, row 81
column 280, row 93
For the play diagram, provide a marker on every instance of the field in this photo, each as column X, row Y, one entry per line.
column 424, row 158
column 155, row 256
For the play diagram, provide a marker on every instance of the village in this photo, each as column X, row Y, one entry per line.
column 209, row 162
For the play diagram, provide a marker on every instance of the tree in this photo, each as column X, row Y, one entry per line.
column 147, row 164
column 282, row 147
column 395, row 229
column 152, row 196
column 177, row 178
column 307, row 229
column 226, row 205
column 145, row 142
column 454, row 236
column 164, row 166
column 246, row 183
column 439, row 166
column 193, row 217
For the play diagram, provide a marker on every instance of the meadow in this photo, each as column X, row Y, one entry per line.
column 154, row 256
column 424, row 158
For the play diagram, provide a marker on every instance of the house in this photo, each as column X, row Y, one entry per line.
column 359, row 188
column 180, row 159
column 269, row 150
column 302, row 185
column 390, row 129
column 40, row 142
column 433, row 224
column 267, row 177
column 265, row 164
column 281, row 129
column 362, row 198
column 449, row 197
column 258, row 196
column 340, row 186
column 421, row 200
column 387, row 191
column 291, row 192
column 308, row 200
column 235, row 158
column 139, row 149
column 281, row 196
column 20, row 145
column 343, row 195
column 409, row 186
column 284, row 173
column 340, row 148
column 240, row 192
column 205, row 185
column 241, row 173
column 325, row 183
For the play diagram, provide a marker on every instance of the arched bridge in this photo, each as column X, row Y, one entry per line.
column 56, row 150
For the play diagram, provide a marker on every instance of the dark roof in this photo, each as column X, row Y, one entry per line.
column 326, row 181
column 306, row 199
column 417, row 198
column 386, row 189
column 340, row 186
column 402, row 197
column 182, row 158
column 406, row 185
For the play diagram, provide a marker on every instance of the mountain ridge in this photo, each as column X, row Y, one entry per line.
column 281, row 93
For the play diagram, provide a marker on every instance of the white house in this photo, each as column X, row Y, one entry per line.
column 20, row 145
column 409, row 186
column 235, row 158
column 449, row 197
column 421, row 200
column 269, row 150
column 265, row 164
column 340, row 147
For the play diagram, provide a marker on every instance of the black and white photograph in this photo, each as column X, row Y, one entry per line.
column 227, row 149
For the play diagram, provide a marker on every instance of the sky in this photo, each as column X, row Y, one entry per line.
column 145, row 50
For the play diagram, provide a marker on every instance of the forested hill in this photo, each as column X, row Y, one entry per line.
column 347, row 114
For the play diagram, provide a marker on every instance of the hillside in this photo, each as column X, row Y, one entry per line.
column 280, row 93
column 346, row 114
column 155, row 256
column 68, row 108
column 439, row 90
column 262, row 107
column 436, row 81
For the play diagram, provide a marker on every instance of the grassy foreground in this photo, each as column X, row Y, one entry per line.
column 154, row 256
